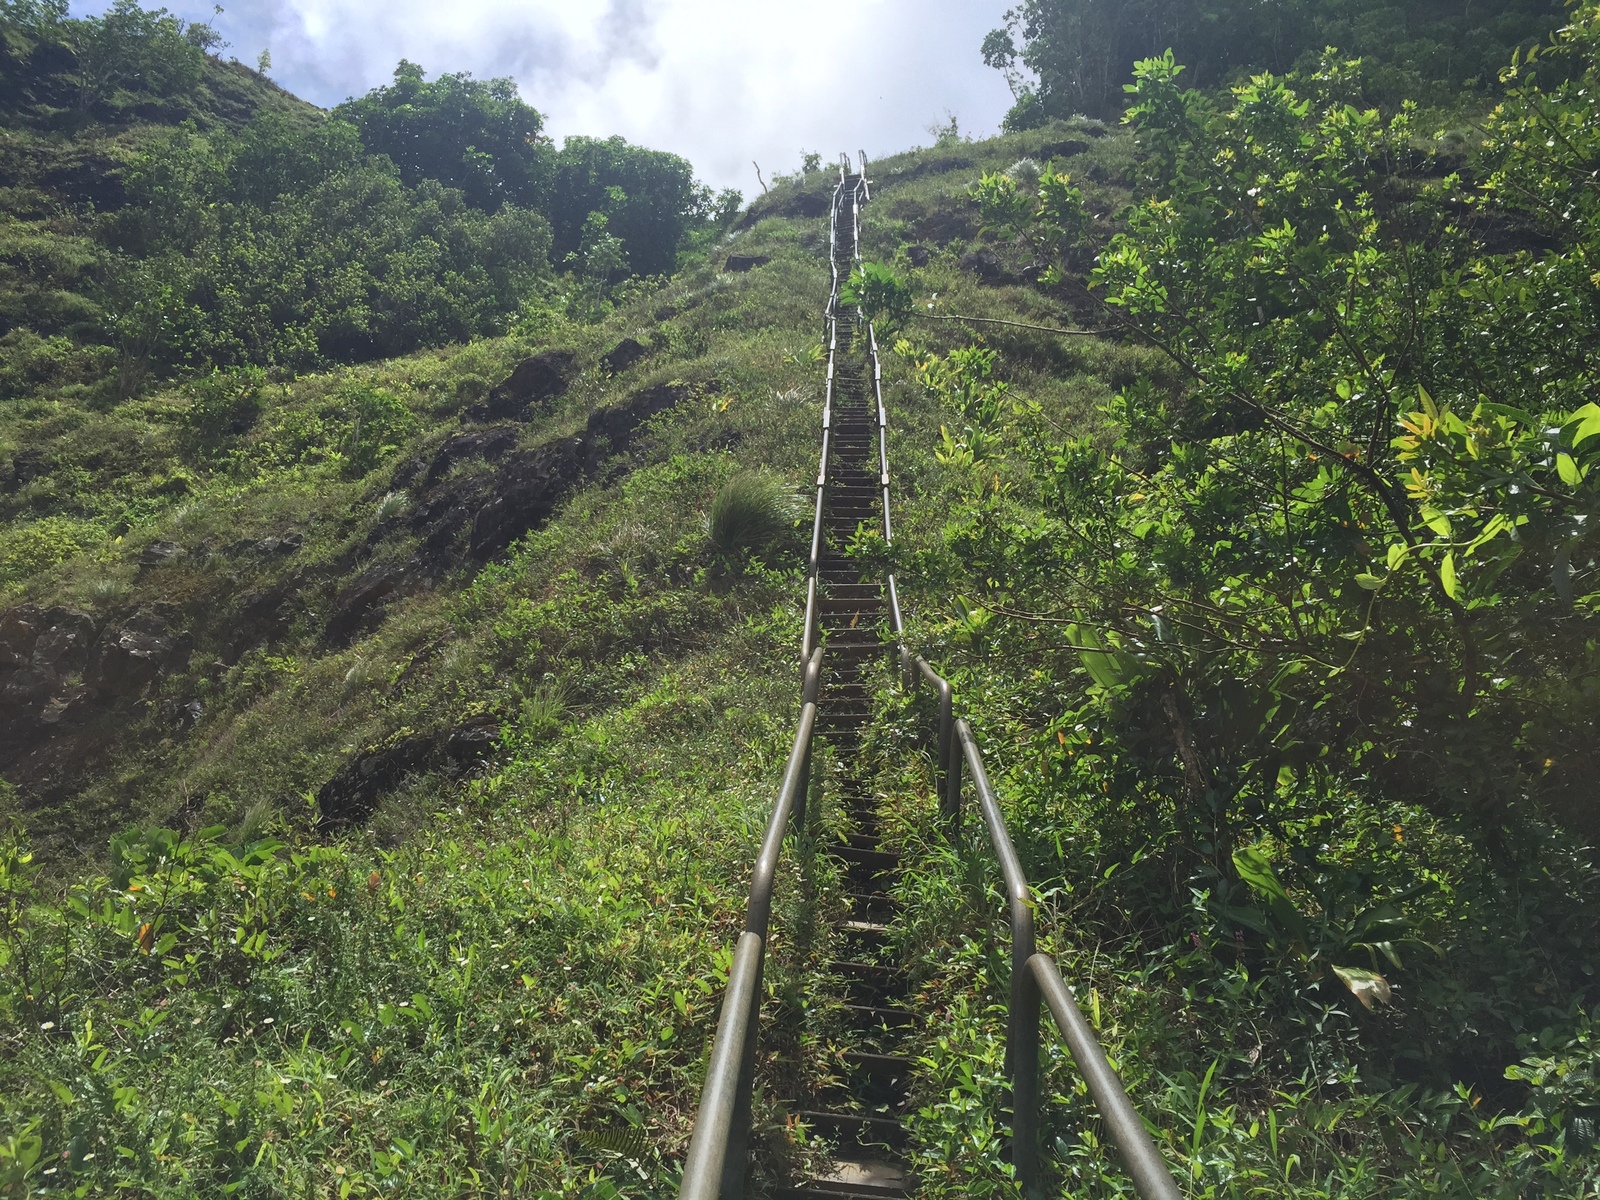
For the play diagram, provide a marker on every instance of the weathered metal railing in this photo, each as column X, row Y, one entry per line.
column 720, row 1147
column 1034, row 975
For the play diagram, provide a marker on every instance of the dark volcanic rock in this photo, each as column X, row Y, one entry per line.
column 128, row 660
column 19, row 630
column 262, row 617
column 65, row 642
column 543, row 377
column 525, row 494
column 286, row 543
column 739, row 263
column 491, row 445
column 919, row 255
column 932, row 166
column 1067, row 148
column 623, row 355
column 25, row 466
column 947, row 224
column 353, row 792
column 157, row 553
column 372, row 588
column 986, row 265
column 808, row 205
column 62, row 680
column 527, row 485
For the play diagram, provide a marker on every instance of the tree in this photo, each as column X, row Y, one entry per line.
column 1080, row 53
column 132, row 49
column 1348, row 537
column 476, row 136
column 648, row 198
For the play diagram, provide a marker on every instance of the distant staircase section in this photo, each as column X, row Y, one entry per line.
column 859, row 1112
column 852, row 622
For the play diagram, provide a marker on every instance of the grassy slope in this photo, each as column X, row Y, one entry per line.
column 505, row 984
column 60, row 176
column 561, row 913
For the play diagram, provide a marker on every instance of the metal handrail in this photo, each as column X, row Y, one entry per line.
column 719, row 1148
column 1034, row 976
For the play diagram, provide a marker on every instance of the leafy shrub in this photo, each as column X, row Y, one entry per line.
column 879, row 293
column 750, row 511
column 225, row 404
column 357, row 428
column 26, row 550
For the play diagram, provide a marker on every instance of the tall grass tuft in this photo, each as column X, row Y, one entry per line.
column 750, row 511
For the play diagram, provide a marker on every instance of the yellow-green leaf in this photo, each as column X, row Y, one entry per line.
column 1371, row 582
column 1588, row 418
column 1428, row 406
column 1447, row 576
column 1567, row 468
column 1398, row 553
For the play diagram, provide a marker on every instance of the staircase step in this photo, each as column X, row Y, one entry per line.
column 881, row 1179
column 871, row 1016
column 856, row 1129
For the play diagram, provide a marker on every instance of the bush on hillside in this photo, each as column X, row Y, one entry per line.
column 751, row 511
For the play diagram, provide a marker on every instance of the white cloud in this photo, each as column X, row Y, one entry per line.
column 722, row 82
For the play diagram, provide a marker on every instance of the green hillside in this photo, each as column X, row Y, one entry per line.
column 398, row 658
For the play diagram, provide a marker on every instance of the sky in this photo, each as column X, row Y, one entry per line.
column 725, row 83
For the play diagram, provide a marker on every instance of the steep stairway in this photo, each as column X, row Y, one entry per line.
column 859, row 1112
column 862, row 1069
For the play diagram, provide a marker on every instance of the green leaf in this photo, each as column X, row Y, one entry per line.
column 1366, row 986
column 1567, row 468
column 1107, row 666
column 1447, row 576
column 1255, row 868
column 1398, row 553
column 1371, row 582
column 1588, row 418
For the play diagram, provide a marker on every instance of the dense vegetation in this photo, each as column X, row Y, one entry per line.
column 401, row 593
column 1076, row 56
column 174, row 214
column 1289, row 643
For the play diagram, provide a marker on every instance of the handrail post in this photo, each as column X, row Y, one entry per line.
column 949, row 761
column 1022, row 1049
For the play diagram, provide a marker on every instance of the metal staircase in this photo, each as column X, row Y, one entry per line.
column 860, row 1111
column 854, row 622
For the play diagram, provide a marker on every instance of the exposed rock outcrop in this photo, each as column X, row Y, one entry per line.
column 352, row 793
column 59, row 671
column 537, row 380
column 623, row 355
